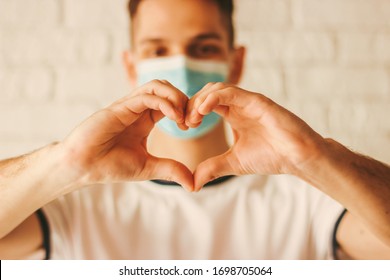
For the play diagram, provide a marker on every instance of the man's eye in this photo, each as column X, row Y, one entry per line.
column 159, row 52
column 209, row 49
column 205, row 51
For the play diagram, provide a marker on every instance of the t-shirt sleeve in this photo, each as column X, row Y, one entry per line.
column 325, row 214
column 58, row 214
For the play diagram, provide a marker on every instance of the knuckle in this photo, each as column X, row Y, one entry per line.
column 211, row 96
column 155, row 82
column 227, row 86
column 231, row 87
column 210, row 84
column 165, row 82
column 219, row 85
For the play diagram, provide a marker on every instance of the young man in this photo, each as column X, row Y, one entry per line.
column 94, row 188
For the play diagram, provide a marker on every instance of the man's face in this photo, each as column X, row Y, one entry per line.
column 194, row 28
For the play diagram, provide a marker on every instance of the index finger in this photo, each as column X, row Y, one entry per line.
column 193, row 117
column 163, row 88
column 127, row 111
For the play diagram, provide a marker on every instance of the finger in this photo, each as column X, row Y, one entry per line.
column 129, row 110
column 214, row 168
column 191, row 102
column 161, row 88
column 247, row 104
column 166, row 90
column 158, row 115
column 209, row 103
column 193, row 118
column 171, row 170
column 222, row 110
column 211, row 87
column 206, row 104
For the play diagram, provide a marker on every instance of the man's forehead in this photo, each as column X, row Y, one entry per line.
column 164, row 19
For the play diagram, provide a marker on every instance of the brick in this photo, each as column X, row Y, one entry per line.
column 55, row 46
column 120, row 41
column 348, row 117
column 94, row 48
column 2, row 62
column 308, row 48
column 315, row 114
column 359, row 117
column 382, row 48
column 45, row 121
column 24, row 47
column 357, row 48
column 373, row 145
column 99, row 85
column 262, row 14
column 33, row 84
column 367, row 144
column 38, row 84
column 292, row 47
column 263, row 48
column 324, row 83
column 29, row 13
column 364, row 48
column 14, row 148
column 96, row 13
column 268, row 81
column 344, row 14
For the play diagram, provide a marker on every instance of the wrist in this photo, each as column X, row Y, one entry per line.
column 326, row 160
column 65, row 172
column 308, row 156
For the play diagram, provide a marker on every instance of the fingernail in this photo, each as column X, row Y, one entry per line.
column 182, row 126
column 181, row 116
column 195, row 118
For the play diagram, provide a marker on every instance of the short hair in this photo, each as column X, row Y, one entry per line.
column 226, row 7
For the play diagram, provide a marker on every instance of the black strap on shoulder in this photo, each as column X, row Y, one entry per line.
column 335, row 244
column 45, row 232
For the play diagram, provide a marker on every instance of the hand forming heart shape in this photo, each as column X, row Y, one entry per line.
column 110, row 146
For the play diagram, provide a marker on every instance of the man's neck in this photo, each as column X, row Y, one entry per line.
column 190, row 152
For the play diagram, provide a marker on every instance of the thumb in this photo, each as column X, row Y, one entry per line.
column 171, row 170
column 214, row 168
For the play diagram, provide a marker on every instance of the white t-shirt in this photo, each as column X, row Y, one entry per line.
column 247, row 217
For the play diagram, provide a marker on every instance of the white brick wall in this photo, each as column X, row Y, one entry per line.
column 327, row 61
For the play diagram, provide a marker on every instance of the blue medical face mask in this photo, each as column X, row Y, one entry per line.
column 189, row 76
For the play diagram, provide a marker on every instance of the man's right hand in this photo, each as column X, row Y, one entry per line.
column 110, row 146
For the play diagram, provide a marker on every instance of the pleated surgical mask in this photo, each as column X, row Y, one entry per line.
column 189, row 76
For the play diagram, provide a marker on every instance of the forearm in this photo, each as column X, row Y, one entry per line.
column 359, row 183
column 30, row 181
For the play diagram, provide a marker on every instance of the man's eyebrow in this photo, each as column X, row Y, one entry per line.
column 206, row 36
column 200, row 37
column 151, row 41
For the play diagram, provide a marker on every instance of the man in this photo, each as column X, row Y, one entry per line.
column 121, row 214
